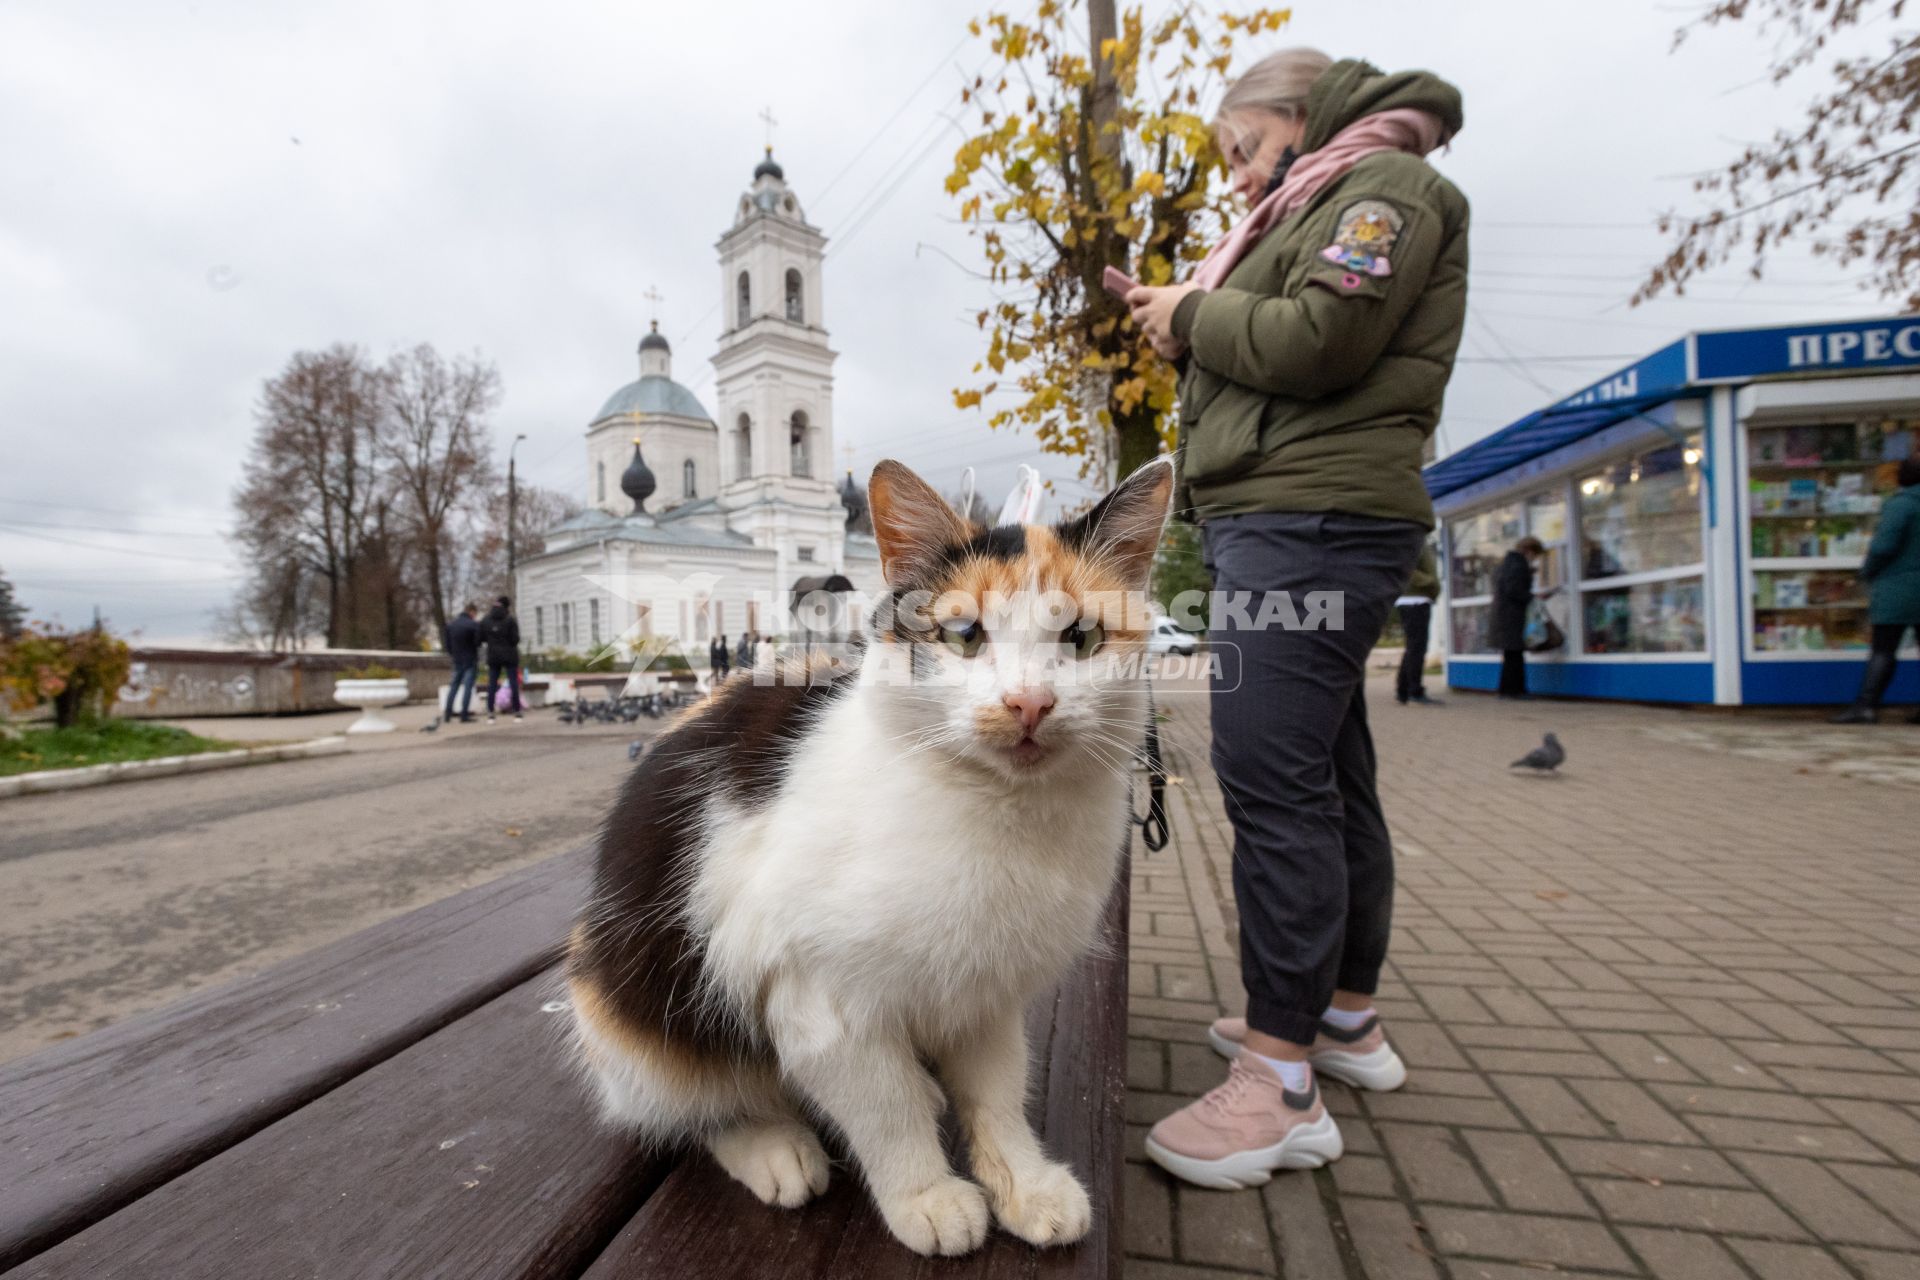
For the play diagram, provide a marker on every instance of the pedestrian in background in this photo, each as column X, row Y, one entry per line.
column 1315, row 343
column 743, row 655
column 1892, row 574
column 1416, row 622
column 462, row 643
column 501, row 633
column 1507, row 628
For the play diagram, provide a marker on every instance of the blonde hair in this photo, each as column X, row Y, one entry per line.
column 1278, row 82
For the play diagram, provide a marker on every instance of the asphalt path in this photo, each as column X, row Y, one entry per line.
column 121, row 898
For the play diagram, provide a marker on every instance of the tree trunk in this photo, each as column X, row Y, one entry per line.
column 1136, row 440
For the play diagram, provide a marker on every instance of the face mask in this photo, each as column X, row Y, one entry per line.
column 1280, row 167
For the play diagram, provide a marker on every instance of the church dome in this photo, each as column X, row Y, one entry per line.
column 853, row 500
column 637, row 481
column 654, row 394
column 655, row 340
column 769, row 168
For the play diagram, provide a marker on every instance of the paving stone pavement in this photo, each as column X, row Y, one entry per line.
column 1661, row 1014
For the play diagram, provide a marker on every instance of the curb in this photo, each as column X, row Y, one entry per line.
column 99, row 775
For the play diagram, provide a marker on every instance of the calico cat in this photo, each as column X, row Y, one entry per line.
column 814, row 888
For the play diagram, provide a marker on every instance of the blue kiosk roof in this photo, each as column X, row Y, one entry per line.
column 1687, row 367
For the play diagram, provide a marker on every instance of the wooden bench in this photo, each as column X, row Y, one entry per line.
column 399, row 1104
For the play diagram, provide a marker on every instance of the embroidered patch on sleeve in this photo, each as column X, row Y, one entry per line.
column 1364, row 240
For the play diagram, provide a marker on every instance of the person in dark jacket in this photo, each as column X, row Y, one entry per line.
column 1507, row 628
column 723, row 658
column 463, row 650
column 743, row 654
column 1892, row 574
column 1315, row 343
column 1416, row 622
column 501, row 632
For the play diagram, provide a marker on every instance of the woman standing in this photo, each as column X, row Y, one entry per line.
column 1892, row 573
column 1507, row 628
column 1317, row 340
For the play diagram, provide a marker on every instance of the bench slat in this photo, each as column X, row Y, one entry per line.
column 701, row 1223
column 471, row 1155
column 89, row 1126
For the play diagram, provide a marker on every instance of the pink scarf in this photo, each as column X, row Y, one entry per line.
column 1402, row 129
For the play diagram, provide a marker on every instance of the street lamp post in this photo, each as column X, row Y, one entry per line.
column 513, row 506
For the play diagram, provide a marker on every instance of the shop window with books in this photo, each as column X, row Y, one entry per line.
column 1813, row 497
column 1642, row 514
column 1647, row 617
column 1547, row 521
column 1477, row 544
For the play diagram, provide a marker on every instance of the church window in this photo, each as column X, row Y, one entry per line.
column 593, row 619
column 801, row 443
column 600, row 482
column 539, row 626
column 565, row 615
column 796, row 304
column 746, row 300
column 806, row 554
column 743, row 449
column 687, row 478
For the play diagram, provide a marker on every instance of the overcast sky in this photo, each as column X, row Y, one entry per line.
column 192, row 192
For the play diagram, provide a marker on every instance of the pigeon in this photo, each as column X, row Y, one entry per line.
column 634, row 748
column 431, row 726
column 1545, row 758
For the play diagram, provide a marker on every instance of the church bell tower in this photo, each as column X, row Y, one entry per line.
column 774, row 381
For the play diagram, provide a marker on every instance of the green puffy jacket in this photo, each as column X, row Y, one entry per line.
column 1313, row 381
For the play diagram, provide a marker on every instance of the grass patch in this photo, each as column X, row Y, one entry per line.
column 103, row 742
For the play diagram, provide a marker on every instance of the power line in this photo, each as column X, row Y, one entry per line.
column 77, row 506
column 100, row 528
column 119, row 551
column 890, row 121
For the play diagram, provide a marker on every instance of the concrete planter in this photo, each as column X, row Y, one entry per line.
column 370, row 696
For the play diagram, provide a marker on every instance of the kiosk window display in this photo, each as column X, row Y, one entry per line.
column 1705, row 512
column 1813, row 493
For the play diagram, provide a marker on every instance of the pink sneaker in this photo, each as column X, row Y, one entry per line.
column 1239, row 1133
column 1361, row 1057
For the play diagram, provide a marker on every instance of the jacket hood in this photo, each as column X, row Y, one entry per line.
column 1353, row 88
column 497, row 613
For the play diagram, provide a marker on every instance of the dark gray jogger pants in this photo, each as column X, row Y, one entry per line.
column 1312, row 862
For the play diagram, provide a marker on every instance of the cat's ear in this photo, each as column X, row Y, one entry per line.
column 1124, row 529
column 912, row 523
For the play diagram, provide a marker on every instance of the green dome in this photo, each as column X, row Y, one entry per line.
column 654, row 394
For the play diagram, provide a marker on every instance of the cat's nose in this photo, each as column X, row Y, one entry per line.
column 1031, row 705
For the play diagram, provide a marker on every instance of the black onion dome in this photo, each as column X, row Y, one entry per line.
column 769, row 168
column 637, row 481
column 853, row 499
column 654, row 341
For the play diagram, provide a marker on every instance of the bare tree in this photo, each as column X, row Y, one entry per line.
column 433, row 441
column 309, row 489
column 540, row 510
column 1845, row 181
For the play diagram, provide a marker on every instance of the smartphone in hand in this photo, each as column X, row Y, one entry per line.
column 1118, row 283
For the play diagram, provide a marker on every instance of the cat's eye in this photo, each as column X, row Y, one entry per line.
column 964, row 635
column 1084, row 637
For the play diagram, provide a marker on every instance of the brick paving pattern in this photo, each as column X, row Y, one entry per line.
column 1661, row 1013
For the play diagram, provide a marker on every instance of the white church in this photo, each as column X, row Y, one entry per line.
column 741, row 509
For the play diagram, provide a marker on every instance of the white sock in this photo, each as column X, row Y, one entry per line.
column 1348, row 1019
column 1294, row 1075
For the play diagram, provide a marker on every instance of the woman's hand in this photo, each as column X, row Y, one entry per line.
column 1153, row 310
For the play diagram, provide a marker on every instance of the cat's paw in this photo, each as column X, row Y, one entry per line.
column 1046, row 1207
column 782, row 1164
column 949, row 1217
